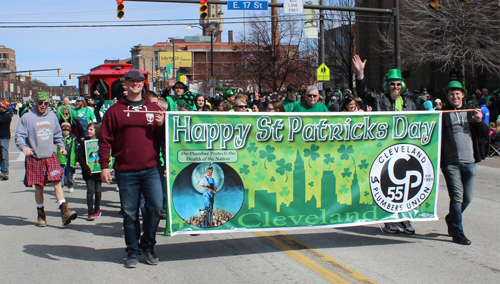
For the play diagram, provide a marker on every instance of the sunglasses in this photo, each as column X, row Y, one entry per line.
column 43, row 103
column 314, row 96
column 395, row 84
column 242, row 106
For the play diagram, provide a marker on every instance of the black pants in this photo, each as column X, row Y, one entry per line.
column 93, row 188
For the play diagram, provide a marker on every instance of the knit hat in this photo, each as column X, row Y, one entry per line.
column 42, row 96
column 4, row 104
column 483, row 101
column 66, row 126
column 455, row 85
column 428, row 105
column 187, row 100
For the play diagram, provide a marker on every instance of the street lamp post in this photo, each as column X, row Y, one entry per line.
column 172, row 39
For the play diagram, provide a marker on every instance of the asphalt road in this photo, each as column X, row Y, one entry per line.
column 93, row 252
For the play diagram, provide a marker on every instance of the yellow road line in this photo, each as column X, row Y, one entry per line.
column 344, row 274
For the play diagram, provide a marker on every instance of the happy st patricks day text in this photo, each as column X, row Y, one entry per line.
column 275, row 129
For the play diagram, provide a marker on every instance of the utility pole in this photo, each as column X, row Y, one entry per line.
column 322, row 41
column 397, row 48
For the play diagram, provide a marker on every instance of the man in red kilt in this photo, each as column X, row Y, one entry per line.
column 37, row 136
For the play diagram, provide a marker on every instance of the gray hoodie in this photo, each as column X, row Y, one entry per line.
column 39, row 132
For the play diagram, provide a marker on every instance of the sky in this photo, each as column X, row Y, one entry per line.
column 77, row 50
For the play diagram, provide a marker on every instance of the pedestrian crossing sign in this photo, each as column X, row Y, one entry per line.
column 323, row 73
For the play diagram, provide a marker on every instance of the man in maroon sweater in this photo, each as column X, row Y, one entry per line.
column 133, row 139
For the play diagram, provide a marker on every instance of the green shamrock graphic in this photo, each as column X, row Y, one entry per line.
column 267, row 155
column 366, row 193
column 254, row 163
column 284, row 191
column 289, row 151
column 316, row 173
column 311, row 184
column 345, row 152
column 244, row 171
column 328, row 160
column 343, row 189
column 252, row 149
column 363, row 165
column 311, row 153
column 283, row 168
column 272, row 179
column 347, row 173
column 259, row 177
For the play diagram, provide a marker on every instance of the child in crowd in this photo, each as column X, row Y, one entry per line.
column 93, row 180
column 68, row 162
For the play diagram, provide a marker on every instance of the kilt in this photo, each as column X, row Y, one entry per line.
column 42, row 171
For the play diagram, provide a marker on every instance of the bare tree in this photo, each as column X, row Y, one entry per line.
column 273, row 65
column 340, row 41
column 457, row 36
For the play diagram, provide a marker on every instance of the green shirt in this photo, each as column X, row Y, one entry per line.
column 289, row 106
column 304, row 107
column 85, row 112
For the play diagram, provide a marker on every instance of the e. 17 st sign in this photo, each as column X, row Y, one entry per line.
column 247, row 5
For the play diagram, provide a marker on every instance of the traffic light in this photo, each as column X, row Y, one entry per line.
column 58, row 72
column 203, row 9
column 157, row 73
column 70, row 76
column 120, row 8
column 30, row 73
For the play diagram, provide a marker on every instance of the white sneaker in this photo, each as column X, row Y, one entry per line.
column 71, row 190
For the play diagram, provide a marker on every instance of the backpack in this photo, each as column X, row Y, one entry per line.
column 83, row 121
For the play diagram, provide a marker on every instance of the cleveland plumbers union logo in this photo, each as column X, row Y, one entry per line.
column 401, row 178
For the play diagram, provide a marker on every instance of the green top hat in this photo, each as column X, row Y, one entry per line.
column 454, row 85
column 393, row 75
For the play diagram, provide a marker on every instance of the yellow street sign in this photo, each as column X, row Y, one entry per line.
column 323, row 73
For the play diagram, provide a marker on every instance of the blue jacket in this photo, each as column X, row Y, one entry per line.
column 486, row 114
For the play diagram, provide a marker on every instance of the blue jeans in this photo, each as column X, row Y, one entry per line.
column 460, row 182
column 67, row 179
column 132, row 185
column 4, row 156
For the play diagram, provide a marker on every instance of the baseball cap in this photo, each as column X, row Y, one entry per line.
column 80, row 99
column 134, row 75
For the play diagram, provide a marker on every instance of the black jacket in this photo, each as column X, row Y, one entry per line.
column 449, row 153
column 87, row 175
column 380, row 101
column 5, row 120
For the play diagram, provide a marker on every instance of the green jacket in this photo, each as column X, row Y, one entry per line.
column 70, row 143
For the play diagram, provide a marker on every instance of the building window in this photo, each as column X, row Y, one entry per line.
column 4, row 55
column 4, row 65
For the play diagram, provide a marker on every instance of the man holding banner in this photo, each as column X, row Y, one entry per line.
column 132, row 129
column 459, row 152
column 390, row 100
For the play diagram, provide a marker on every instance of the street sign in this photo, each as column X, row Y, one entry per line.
column 293, row 7
column 323, row 73
column 212, row 81
column 247, row 5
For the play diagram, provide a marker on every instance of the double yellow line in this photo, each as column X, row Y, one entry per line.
column 319, row 263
